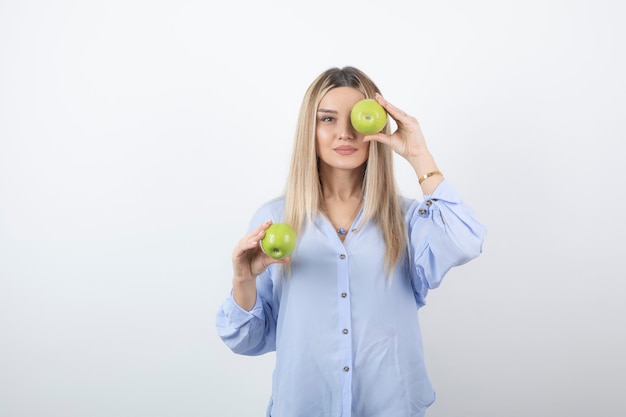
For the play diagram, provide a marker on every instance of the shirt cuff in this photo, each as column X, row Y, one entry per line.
column 237, row 315
column 445, row 192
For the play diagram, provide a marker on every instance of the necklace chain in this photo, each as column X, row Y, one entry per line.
column 341, row 231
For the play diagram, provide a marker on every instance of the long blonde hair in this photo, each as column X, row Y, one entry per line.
column 303, row 193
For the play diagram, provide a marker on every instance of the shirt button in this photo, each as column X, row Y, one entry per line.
column 346, row 368
column 429, row 203
column 422, row 212
column 344, row 295
column 345, row 331
column 342, row 256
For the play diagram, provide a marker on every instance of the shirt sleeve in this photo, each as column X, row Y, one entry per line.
column 247, row 332
column 251, row 332
column 443, row 233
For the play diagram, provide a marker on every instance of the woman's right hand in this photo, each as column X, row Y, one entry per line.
column 248, row 257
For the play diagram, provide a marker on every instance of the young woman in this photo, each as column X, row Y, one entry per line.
column 342, row 311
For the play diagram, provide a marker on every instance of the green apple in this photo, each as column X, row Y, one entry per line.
column 279, row 241
column 368, row 117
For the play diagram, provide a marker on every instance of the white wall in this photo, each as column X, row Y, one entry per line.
column 137, row 138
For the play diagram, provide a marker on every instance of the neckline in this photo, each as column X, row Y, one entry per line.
column 343, row 237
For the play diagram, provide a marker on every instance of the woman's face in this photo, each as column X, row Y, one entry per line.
column 338, row 144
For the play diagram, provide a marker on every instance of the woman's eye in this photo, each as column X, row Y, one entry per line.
column 326, row 119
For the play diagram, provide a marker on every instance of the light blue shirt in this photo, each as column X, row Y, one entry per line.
column 347, row 338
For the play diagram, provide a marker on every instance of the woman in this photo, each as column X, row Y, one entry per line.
column 342, row 311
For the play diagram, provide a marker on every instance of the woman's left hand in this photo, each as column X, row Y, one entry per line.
column 408, row 140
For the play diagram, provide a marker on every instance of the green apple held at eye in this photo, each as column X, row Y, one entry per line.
column 279, row 241
column 368, row 117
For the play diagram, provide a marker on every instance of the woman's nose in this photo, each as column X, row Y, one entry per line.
column 347, row 131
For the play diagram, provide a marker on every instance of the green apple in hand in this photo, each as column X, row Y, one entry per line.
column 279, row 241
column 368, row 117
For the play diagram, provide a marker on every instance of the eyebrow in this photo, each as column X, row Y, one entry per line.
column 326, row 111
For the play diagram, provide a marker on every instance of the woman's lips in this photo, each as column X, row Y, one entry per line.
column 345, row 150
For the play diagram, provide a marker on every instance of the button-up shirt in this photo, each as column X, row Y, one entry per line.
column 346, row 333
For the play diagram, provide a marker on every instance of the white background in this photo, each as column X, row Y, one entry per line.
column 138, row 137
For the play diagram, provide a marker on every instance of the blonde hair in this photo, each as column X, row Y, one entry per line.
column 303, row 193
